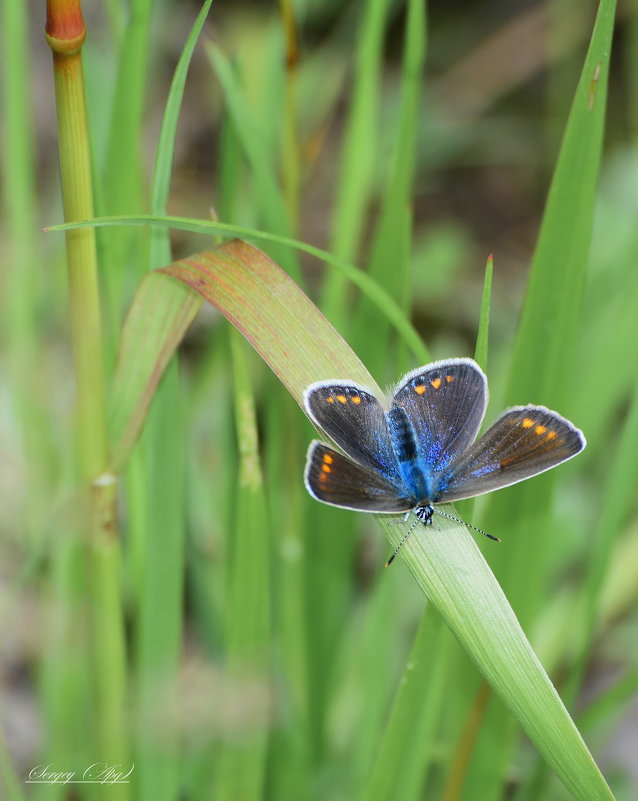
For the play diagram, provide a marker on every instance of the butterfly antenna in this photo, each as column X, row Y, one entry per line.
column 403, row 539
column 469, row 525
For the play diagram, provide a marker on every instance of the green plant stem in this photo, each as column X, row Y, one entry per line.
column 65, row 34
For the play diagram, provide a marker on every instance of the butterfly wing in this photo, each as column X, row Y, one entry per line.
column 335, row 479
column 354, row 419
column 524, row 441
column 445, row 402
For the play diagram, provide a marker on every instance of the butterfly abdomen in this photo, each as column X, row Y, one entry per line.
column 402, row 435
column 406, row 452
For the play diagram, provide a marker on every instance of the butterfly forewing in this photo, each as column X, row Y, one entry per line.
column 445, row 403
column 423, row 450
column 524, row 441
column 355, row 420
column 333, row 478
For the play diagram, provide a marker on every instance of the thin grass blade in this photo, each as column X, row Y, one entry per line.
column 553, row 303
column 272, row 204
column 403, row 757
column 160, row 503
column 389, row 262
column 359, row 150
column 482, row 335
column 386, row 305
column 155, row 325
column 241, row 760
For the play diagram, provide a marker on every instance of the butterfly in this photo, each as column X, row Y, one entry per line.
column 420, row 448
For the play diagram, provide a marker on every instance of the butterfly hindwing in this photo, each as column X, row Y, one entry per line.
column 335, row 479
column 423, row 449
column 524, row 441
column 445, row 402
column 355, row 420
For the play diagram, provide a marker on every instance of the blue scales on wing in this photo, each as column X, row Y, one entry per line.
column 445, row 403
column 335, row 479
column 355, row 420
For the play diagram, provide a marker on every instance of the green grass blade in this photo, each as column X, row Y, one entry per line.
column 300, row 346
column 359, row 151
column 450, row 569
column 271, row 201
column 161, row 502
column 157, row 320
column 122, row 173
column 270, row 310
column 289, row 772
column 608, row 703
column 544, row 355
column 482, row 336
column 158, row 635
column 390, row 255
column 241, row 760
column 618, row 499
column 553, row 303
column 552, row 316
column 402, row 759
column 386, row 305
column 166, row 144
column 367, row 680
column 22, row 260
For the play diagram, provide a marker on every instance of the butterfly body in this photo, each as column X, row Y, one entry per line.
column 420, row 448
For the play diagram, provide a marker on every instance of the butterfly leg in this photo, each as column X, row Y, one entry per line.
column 401, row 520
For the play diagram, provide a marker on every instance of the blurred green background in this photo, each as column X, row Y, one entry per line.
column 413, row 150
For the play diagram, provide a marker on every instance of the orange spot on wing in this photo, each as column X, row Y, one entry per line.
column 527, row 423
column 449, row 378
column 330, row 399
column 551, row 435
column 356, row 399
column 436, row 383
column 326, row 469
column 540, row 430
column 327, row 459
column 420, row 389
column 342, row 399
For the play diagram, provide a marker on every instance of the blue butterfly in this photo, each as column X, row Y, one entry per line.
column 423, row 450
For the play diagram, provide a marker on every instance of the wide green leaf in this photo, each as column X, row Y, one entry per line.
column 301, row 346
column 155, row 325
column 279, row 321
